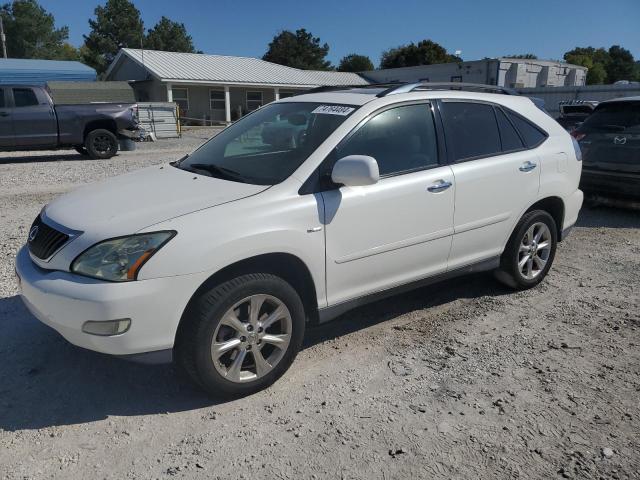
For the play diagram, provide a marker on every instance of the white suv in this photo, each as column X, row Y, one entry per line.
column 298, row 212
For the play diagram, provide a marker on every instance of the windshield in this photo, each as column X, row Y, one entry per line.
column 615, row 117
column 267, row 146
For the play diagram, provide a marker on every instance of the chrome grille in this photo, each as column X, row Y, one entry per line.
column 44, row 240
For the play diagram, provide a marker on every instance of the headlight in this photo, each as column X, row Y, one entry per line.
column 120, row 259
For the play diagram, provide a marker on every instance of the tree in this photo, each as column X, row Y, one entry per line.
column 117, row 24
column 299, row 50
column 31, row 32
column 621, row 64
column 595, row 60
column 425, row 52
column 355, row 63
column 169, row 36
column 527, row 56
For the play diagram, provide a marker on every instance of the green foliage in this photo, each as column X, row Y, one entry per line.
column 621, row 65
column 528, row 56
column 117, row 24
column 426, row 52
column 605, row 66
column 299, row 50
column 169, row 36
column 31, row 32
column 355, row 63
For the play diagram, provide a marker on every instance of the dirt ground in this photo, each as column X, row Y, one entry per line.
column 464, row 379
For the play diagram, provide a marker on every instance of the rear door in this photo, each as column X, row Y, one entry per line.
column 6, row 127
column 34, row 121
column 496, row 176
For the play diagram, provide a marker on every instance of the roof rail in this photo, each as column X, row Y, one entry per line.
column 330, row 88
column 419, row 86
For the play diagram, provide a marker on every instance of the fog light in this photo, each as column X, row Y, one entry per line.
column 108, row 328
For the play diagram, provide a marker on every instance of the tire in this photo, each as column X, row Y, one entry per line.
column 101, row 144
column 81, row 150
column 524, row 263
column 211, row 316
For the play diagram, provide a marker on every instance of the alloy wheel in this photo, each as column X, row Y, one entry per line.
column 251, row 338
column 534, row 250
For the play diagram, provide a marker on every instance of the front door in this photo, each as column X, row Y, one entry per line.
column 6, row 126
column 398, row 230
column 34, row 121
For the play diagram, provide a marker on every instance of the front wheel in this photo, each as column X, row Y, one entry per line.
column 530, row 251
column 239, row 337
column 101, row 144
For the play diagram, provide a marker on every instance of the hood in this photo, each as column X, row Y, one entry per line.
column 128, row 203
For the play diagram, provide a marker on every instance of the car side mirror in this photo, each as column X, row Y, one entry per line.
column 355, row 171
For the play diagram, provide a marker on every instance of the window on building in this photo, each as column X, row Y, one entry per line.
column 510, row 138
column 254, row 100
column 401, row 139
column 181, row 97
column 24, row 97
column 471, row 130
column 286, row 94
column 531, row 134
column 216, row 99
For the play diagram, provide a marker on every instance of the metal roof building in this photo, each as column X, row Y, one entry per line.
column 17, row 70
column 215, row 87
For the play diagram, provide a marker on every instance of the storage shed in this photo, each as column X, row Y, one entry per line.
column 17, row 70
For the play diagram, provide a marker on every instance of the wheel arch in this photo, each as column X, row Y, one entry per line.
column 555, row 207
column 284, row 265
column 105, row 123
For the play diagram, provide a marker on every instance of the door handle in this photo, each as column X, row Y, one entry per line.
column 4, row 114
column 439, row 186
column 527, row 166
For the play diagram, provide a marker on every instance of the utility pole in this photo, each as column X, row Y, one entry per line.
column 3, row 38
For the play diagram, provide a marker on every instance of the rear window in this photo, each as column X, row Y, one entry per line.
column 471, row 130
column 531, row 134
column 614, row 117
column 24, row 97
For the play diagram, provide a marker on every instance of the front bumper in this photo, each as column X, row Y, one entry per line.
column 64, row 301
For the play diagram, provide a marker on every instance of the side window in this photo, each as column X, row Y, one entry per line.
column 510, row 139
column 400, row 139
column 531, row 134
column 471, row 130
column 24, row 97
column 1, row 97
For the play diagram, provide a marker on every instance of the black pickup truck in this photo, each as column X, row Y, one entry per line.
column 29, row 120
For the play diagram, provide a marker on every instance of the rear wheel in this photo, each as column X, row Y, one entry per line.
column 528, row 256
column 242, row 335
column 101, row 143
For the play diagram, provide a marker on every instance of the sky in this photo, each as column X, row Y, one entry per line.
column 478, row 28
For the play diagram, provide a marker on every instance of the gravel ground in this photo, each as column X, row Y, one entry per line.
column 461, row 380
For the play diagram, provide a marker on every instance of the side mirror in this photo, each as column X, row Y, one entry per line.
column 356, row 170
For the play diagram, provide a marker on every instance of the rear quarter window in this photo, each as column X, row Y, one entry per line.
column 530, row 133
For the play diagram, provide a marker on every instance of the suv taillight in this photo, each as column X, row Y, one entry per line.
column 577, row 135
column 576, row 147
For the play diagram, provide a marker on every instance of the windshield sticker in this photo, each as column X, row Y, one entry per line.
column 333, row 110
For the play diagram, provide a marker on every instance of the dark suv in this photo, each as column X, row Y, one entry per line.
column 610, row 143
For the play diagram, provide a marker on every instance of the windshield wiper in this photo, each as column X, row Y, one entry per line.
column 217, row 171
